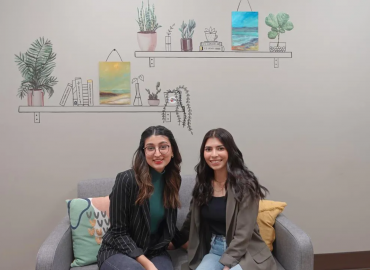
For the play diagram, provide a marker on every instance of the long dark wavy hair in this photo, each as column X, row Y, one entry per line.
column 242, row 181
column 171, row 175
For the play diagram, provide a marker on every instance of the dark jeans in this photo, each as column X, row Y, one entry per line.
column 123, row 262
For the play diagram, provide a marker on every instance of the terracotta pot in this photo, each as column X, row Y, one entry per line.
column 153, row 102
column 187, row 44
column 35, row 97
column 147, row 41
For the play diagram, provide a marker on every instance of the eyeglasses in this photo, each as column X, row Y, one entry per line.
column 163, row 149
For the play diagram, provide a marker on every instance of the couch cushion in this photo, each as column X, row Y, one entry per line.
column 95, row 187
column 186, row 189
column 88, row 267
column 89, row 219
column 179, row 256
column 279, row 266
column 267, row 213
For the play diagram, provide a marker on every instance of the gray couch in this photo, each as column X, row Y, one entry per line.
column 292, row 248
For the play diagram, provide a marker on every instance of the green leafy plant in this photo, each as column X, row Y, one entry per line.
column 147, row 19
column 187, row 30
column 169, row 32
column 154, row 95
column 278, row 24
column 36, row 66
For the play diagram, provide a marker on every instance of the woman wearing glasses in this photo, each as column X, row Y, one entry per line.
column 222, row 222
column 143, row 207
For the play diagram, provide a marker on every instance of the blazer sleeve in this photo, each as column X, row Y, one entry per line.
column 246, row 221
column 179, row 239
column 121, row 201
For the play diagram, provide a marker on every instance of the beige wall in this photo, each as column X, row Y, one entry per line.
column 303, row 128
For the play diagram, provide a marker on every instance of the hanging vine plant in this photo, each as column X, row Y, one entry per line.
column 186, row 111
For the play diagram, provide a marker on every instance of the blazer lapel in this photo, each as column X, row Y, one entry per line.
column 171, row 222
column 230, row 211
column 196, row 214
column 146, row 214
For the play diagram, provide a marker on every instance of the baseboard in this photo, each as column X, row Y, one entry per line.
column 340, row 261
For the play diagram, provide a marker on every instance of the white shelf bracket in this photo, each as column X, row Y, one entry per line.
column 37, row 117
column 151, row 62
column 168, row 117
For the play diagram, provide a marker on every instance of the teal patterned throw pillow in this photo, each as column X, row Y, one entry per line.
column 89, row 220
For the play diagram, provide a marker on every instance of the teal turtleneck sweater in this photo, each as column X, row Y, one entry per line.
column 156, row 201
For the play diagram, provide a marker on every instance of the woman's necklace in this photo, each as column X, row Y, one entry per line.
column 219, row 190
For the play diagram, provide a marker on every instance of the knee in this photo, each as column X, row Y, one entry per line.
column 136, row 266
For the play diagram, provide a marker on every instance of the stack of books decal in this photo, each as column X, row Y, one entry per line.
column 211, row 45
column 82, row 94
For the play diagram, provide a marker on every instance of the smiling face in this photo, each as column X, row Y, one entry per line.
column 158, row 152
column 216, row 154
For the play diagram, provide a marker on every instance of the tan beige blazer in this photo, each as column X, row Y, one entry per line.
column 245, row 245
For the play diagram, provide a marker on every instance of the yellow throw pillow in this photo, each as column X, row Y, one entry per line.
column 267, row 213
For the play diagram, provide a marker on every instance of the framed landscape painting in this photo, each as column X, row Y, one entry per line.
column 114, row 83
column 244, row 35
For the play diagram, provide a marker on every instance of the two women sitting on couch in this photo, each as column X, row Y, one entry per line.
column 220, row 231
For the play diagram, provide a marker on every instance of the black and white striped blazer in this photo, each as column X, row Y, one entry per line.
column 129, row 231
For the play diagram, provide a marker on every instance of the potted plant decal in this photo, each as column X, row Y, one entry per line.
column 137, row 100
column 36, row 66
column 180, row 107
column 211, row 43
column 153, row 98
column 211, row 34
column 279, row 25
column 187, row 31
column 147, row 20
column 168, row 38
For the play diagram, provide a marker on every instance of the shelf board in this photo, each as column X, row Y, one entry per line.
column 94, row 109
column 202, row 54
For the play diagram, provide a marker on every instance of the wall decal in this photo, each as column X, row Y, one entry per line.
column 244, row 31
column 248, row 3
column 114, row 83
column 179, row 101
column 279, row 25
column 147, row 20
column 153, row 97
column 211, row 44
column 245, row 42
column 168, row 38
column 82, row 94
column 36, row 66
column 170, row 97
column 114, row 50
column 137, row 100
column 187, row 31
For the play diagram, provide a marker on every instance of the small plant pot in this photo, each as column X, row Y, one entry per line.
column 211, row 37
column 186, row 44
column 275, row 48
column 147, row 41
column 153, row 102
column 35, row 98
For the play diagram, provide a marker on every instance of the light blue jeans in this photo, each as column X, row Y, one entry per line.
column 211, row 260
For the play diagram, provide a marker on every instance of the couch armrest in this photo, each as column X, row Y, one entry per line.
column 292, row 247
column 56, row 253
